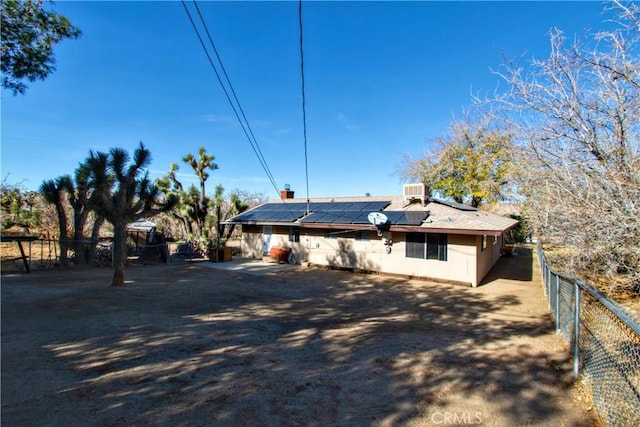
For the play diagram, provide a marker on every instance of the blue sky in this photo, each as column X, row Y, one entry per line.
column 382, row 79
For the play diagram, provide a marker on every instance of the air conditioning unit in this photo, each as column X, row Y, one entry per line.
column 415, row 192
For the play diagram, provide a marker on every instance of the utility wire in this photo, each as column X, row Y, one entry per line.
column 245, row 125
column 304, row 108
column 224, row 70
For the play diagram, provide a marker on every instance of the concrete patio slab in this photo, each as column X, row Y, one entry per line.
column 256, row 267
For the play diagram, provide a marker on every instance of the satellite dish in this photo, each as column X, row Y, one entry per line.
column 377, row 218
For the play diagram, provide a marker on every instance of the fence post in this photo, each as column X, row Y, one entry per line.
column 557, row 308
column 576, row 331
column 548, row 288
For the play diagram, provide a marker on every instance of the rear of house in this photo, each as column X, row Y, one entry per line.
column 412, row 235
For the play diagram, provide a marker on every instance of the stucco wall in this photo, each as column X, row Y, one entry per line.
column 459, row 267
column 346, row 252
column 343, row 250
column 251, row 242
column 487, row 257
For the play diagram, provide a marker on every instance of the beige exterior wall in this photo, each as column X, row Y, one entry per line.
column 345, row 252
column 251, row 241
column 488, row 256
column 459, row 267
column 342, row 251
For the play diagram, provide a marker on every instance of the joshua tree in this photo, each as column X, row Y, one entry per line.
column 192, row 208
column 200, row 167
column 124, row 194
column 53, row 192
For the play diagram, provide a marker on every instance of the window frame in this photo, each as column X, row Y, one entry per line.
column 362, row 236
column 294, row 235
column 428, row 246
column 415, row 245
column 328, row 235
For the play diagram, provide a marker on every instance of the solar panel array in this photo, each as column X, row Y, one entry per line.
column 329, row 213
column 338, row 217
column 274, row 212
column 455, row 205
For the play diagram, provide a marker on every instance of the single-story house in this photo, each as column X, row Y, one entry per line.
column 411, row 235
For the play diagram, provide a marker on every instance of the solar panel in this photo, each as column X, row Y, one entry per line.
column 416, row 217
column 348, row 206
column 321, row 212
column 355, row 217
column 393, row 216
column 338, row 217
column 328, row 217
column 314, row 218
column 406, row 217
column 455, row 205
column 276, row 212
column 372, row 206
column 325, row 206
column 278, row 216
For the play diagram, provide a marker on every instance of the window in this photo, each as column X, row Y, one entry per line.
column 294, row 234
column 364, row 236
column 415, row 245
column 426, row 246
column 437, row 246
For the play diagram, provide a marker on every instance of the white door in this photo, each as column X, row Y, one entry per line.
column 266, row 239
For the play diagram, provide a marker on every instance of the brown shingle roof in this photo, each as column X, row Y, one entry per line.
column 443, row 216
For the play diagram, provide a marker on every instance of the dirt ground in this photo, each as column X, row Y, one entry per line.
column 187, row 344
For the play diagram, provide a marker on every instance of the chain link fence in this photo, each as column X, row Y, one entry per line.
column 604, row 340
column 25, row 254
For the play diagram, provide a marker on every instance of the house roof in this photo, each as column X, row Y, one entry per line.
column 352, row 212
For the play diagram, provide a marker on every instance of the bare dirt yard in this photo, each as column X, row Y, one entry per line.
column 187, row 344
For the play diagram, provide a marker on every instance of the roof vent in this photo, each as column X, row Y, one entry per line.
column 415, row 192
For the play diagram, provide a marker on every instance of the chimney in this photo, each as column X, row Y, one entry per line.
column 286, row 193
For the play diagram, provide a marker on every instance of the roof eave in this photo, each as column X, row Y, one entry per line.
column 284, row 224
column 394, row 228
column 470, row 232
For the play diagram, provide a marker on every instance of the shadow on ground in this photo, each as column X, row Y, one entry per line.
column 517, row 266
column 188, row 345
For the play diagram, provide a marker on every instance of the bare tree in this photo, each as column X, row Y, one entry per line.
column 577, row 115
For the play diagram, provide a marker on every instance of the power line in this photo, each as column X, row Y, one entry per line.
column 304, row 108
column 224, row 70
column 246, row 128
